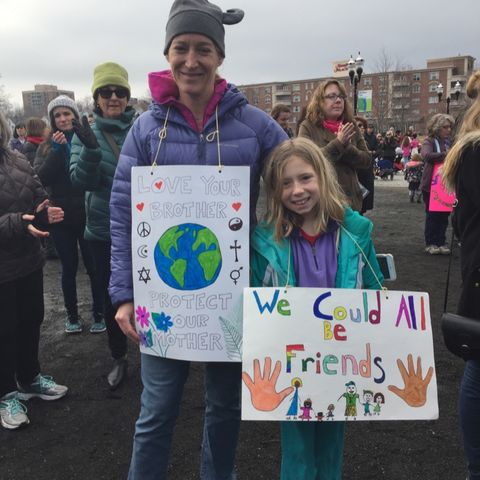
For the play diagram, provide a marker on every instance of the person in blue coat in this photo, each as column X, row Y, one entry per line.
column 310, row 238
column 201, row 114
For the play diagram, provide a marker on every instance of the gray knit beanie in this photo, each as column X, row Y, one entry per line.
column 62, row 101
column 200, row 16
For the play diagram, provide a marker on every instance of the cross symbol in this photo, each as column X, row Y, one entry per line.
column 235, row 247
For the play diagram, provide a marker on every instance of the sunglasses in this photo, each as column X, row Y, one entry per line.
column 107, row 93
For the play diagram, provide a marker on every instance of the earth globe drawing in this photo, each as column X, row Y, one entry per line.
column 188, row 257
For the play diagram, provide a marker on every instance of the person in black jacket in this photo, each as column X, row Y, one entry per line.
column 461, row 172
column 52, row 166
column 36, row 128
column 24, row 216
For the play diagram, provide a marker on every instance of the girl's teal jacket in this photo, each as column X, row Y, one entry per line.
column 272, row 262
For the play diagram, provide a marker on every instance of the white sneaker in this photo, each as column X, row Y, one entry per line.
column 444, row 250
column 13, row 414
column 432, row 249
column 44, row 387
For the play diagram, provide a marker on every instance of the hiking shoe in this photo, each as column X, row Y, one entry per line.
column 44, row 387
column 73, row 327
column 98, row 327
column 432, row 250
column 444, row 250
column 13, row 414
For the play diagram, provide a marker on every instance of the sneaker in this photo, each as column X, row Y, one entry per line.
column 98, row 327
column 432, row 250
column 44, row 387
column 73, row 327
column 444, row 250
column 13, row 414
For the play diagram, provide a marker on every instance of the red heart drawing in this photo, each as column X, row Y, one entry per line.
column 236, row 206
column 140, row 206
column 159, row 185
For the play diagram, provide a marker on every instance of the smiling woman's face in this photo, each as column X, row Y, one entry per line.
column 194, row 60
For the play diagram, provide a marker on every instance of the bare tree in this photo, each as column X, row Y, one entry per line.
column 85, row 105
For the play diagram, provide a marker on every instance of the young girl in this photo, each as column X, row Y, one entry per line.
column 413, row 175
column 310, row 238
column 406, row 149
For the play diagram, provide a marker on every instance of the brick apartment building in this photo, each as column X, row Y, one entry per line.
column 35, row 101
column 394, row 98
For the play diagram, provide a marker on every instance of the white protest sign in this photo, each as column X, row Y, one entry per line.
column 190, row 255
column 313, row 354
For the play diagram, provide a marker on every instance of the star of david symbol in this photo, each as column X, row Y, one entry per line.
column 144, row 275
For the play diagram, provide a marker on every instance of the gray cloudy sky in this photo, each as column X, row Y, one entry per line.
column 54, row 42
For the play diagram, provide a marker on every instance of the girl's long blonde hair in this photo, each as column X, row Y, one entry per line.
column 468, row 133
column 333, row 201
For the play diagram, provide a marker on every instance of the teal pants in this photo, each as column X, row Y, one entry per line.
column 312, row 450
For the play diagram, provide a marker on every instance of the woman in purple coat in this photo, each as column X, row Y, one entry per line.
column 193, row 102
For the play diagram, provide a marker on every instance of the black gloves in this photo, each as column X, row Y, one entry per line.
column 85, row 133
column 40, row 221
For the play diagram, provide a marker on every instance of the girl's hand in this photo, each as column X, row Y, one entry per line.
column 59, row 137
column 346, row 133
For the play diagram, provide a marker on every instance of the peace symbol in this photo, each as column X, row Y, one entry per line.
column 143, row 229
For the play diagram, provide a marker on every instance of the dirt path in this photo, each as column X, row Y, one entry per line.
column 88, row 435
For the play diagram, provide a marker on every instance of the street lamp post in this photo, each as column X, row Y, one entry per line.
column 355, row 70
column 456, row 92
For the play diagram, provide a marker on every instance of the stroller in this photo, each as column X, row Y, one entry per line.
column 384, row 168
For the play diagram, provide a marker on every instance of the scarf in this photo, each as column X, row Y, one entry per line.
column 332, row 125
column 35, row 140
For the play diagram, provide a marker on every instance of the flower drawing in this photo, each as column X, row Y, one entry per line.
column 162, row 321
column 146, row 339
column 142, row 316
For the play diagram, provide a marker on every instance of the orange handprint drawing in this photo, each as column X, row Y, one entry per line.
column 415, row 391
column 262, row 388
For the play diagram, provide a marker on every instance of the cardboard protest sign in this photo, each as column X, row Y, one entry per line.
column 312, row 354
column 190, row 255
column 440, row 199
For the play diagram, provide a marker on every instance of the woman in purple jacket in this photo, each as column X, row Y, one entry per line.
column 190, row 99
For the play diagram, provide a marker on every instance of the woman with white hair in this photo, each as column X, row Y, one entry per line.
column 434, row 150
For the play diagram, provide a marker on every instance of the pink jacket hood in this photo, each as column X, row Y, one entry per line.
column 164, row 90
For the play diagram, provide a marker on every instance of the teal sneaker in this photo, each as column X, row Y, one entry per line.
column 98, row 327
column 44, row 387
column 13, row 414
column 73, row 327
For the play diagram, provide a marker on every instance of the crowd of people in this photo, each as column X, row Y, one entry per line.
column 70, row 179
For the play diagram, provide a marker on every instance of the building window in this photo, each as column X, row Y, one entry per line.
column 255, row 100
column 434, row 75
column 296, row 87
column 268, row 90
column 415, row 100
column 268, row 99
column 433, row 99
column 416, row 89
column 367, row 82
column 432, row 88
column 416, row 77
column 296, row 98
column 296, row 109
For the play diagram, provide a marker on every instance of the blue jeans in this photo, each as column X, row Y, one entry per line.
column 470, row 416
column 163, row 381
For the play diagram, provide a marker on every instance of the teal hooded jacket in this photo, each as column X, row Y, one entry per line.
column 357, row 267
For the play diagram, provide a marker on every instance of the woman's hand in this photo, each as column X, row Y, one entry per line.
column 85, row 133
column 346, row 133
column 59, row 137
column 44, row 215
column 125, row 319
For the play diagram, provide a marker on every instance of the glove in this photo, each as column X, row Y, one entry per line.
column 85, row 133
column 40, row 222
